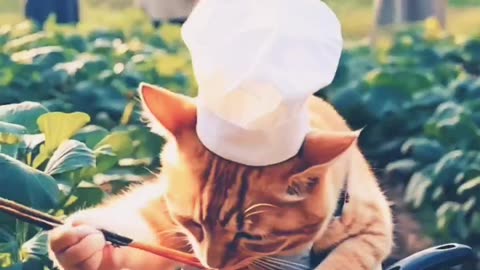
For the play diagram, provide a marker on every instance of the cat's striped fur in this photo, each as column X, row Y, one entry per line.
column 237, row 217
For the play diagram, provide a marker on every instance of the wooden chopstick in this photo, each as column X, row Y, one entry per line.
column 48, row 222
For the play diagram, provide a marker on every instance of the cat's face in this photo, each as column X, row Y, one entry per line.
column 235, row 215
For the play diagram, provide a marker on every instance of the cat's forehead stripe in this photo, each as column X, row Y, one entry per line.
column 219, row 181
column 223, row 181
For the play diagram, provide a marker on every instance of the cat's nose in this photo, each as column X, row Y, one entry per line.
column 215, row 261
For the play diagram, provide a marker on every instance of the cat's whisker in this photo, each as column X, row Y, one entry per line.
column 262, row 266
column 189, row 247
column 169, row 236
column 258, row 205
column 169, row 231
column 268, row 266
column 290, row 264
column 172, row 234
column 254, row 213
column 150, row 171
column 256, row 266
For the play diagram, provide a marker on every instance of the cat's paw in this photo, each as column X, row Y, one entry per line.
column 80, row 246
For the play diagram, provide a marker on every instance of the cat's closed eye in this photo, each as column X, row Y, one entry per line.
column 265, row 246
column 192, row 226
column 250, row 237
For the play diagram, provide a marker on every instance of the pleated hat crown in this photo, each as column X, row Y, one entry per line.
column 256, row 63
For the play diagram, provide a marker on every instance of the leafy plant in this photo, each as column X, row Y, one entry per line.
column 418, row 101
column 71, row 133
column 74, row 158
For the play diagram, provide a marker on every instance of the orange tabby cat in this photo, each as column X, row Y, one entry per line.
column 234, row 216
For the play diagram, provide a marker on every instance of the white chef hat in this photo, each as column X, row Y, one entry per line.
column 256, row 63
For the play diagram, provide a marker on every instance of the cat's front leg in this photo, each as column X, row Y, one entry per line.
column 365, row 251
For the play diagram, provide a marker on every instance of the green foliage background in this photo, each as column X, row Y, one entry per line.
column 70, row 127
column 356, row 15
column 419, row 97
column 71, row 133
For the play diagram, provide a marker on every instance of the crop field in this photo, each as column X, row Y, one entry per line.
column 71, row 133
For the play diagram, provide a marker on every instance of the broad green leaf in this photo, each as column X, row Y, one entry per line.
column 406, row 81
column 36, row 247
column 475, row 223
column 58, row 127
column 452, row 121
column 10, row 138
column 32, row 141
column 8, row 250
column 423, row 150
column 87, row 195
column 147, row 144
column 91, row 135
column 70, row 155
column 106, row 159
column 469, row 205
column 11, row 133
column 115, row 187
column 400, row 170
column 460, row 226
column 26, row 185
column 7, row 262
column 448, row 167
column 24, row 114
column 417, row 189
column 472, row 185
column 120, row 142
column 446, row 214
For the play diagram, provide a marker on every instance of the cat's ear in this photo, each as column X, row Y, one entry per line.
column 167, row 111
column 319, row 151
column 323, row 148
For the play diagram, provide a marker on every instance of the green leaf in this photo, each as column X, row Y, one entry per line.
column 69, row 156
column 26, row 185
column 7, row 262
column 460, row 226
column 105, row 160
column 475, row 223
column 11, row 133
column 91, row 135
column 87, row 195
column 10, row 138
column 452, row 121
column 58, row 127
column 36, row 247
column 406, row 81
column 24, row 114
column 472, row 185
column 446, row 214
column 423, row 150
column 418, row 187
column 448, row 167
column 147, row 144
column 120, row 142
column 400, row 170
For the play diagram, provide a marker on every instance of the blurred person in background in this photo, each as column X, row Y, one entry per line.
column 38, row 10
column 171, row 11
column 66, row 11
